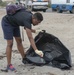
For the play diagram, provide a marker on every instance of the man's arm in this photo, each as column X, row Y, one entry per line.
column 33, row 30
column 29, row 34
column 36, row 31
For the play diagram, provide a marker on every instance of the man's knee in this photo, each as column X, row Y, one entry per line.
column 10, row 44
column 19, row 41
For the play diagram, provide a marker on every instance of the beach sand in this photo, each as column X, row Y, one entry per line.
column 60, row 25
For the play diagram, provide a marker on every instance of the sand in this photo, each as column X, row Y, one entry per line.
column 60, row 25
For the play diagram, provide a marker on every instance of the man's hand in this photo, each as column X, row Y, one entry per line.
column 39, row 52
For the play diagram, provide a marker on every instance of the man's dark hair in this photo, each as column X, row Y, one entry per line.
column 38, row 16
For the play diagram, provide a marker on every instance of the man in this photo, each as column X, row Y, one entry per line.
column 10, row 26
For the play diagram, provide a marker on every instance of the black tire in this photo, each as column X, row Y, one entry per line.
column 44, row 10
column 58, row 10
column 72, row 11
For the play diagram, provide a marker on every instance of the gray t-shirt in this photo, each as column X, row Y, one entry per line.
column 21, row 18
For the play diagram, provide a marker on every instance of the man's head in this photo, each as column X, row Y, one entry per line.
column 37, row 18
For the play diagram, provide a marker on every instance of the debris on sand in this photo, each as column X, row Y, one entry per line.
column 1, row 57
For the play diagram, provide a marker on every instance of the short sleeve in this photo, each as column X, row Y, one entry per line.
column 27, row 24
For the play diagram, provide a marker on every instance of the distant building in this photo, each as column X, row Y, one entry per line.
column 8, row 0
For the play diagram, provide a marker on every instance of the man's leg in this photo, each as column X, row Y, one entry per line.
column 17, row 37
column 8, row 31
column 20, row 46
column 9, row 51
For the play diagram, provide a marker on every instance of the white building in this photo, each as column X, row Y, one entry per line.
column 8, row 0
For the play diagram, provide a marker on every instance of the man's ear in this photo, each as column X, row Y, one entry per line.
column 33, row 17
